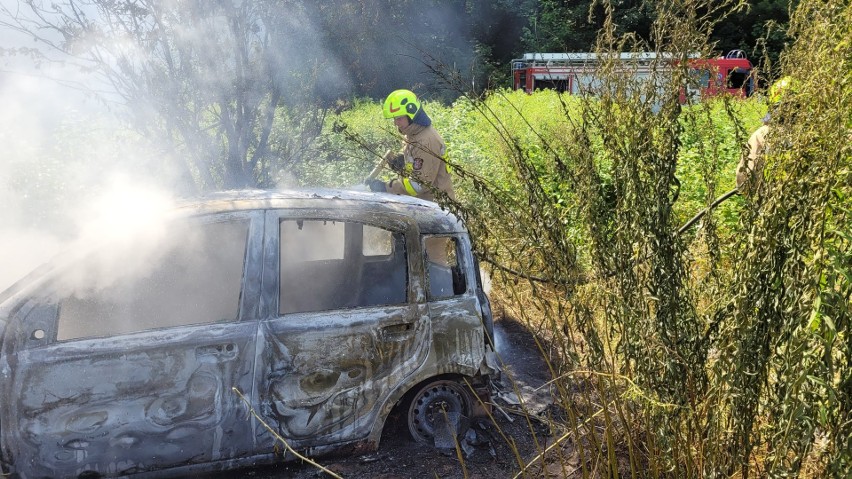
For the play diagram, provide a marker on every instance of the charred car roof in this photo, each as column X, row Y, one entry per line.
column 430, row 217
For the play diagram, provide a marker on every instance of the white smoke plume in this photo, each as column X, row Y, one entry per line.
column 66, row 170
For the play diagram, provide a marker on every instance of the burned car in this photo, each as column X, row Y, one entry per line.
column 245, row 319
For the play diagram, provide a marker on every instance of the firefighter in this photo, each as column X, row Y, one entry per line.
column 421, row 167
column 750, row 167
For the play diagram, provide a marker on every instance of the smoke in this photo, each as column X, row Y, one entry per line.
column 67, row 150
column 24, row 180
column 65, row 158
column 125, row 229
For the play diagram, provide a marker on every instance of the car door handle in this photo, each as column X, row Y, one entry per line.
column 395, row 332
column 224, row 351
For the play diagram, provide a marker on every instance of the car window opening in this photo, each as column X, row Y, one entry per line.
column 196, row 278
column 327, row 265
column 446, row 273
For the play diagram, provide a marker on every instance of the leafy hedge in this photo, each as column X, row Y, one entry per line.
column 722, row 351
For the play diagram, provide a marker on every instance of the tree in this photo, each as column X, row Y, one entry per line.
column 383, row 44
column 762, row 30
column 205, row 77
column 573, row 25
column 235, row 90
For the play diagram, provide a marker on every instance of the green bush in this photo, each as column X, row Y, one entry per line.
column 721, row 351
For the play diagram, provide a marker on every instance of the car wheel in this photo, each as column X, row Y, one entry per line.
column 439, row 412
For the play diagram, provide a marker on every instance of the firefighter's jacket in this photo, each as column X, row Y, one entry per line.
column 750, row 168
column 425, row 168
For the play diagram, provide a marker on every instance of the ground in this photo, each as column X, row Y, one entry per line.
column 490, row 457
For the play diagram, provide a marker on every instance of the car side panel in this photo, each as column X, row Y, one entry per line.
column 120, row 405
column 141, row 401
column 324, row 377
column 458, row 324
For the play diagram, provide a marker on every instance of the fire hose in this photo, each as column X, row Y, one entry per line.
column 380, row 164
column 701, row 213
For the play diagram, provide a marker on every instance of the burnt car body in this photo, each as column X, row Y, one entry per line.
column 324, row 309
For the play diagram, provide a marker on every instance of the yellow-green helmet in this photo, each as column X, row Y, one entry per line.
column 781, row 89
column 399, row 103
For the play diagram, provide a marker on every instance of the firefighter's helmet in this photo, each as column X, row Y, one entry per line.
column 782, row 89
column 401, row 102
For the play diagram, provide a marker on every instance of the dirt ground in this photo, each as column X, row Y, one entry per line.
column 489, row 455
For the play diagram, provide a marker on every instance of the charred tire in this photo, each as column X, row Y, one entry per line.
column 434, row 404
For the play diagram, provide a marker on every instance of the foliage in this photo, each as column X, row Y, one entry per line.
column 712, row 139
column 573, row 26
column 566, row 26
column 738, row 369
column 790, row 326
column 352, row 143
column 760, row 31
column 209, row 81
column 717, row 352
column 203, row 78
column 720, row 351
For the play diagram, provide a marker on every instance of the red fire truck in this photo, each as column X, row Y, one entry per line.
column 573, row 72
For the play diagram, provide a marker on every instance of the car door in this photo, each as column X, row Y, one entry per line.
column 346, row 323
column 460, row 309
column 133, row 373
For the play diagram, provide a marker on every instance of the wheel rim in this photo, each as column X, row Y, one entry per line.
column 437, row 407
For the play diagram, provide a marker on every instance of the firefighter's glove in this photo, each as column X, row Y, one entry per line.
column 397, row 163
column 376, row 185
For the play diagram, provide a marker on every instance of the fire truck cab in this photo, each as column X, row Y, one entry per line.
column 732, row 74
column 575, row 72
